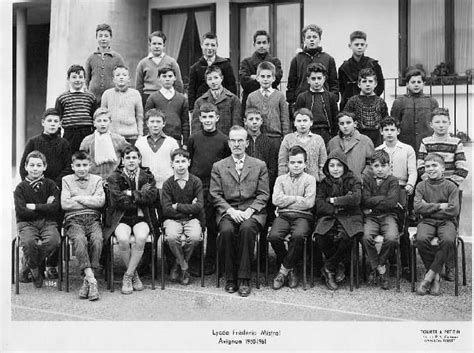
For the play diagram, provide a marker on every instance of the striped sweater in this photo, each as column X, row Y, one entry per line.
column 452, row 151
column 76, row 108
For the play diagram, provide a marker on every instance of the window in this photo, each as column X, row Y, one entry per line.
column 434, row 32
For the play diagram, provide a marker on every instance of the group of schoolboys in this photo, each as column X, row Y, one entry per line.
column 156, row 168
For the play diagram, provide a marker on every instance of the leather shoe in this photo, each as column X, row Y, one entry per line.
column 435, row 287
column 279, row 280
column 292, row 279
column 244, row 288
column 383, row 280
column 424, row 287
column 340, row 274
column 174, row 272
column 231, row 287
column 372, row 279
column 329, row 278
column 209, row 267
column 449, row 274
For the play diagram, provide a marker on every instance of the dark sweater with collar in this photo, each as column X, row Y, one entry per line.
column 197, row 81
column 264, row 149
column 57, row 152
column 382, row 199
column 24, row 194
column 323, row 105
column 206, row 148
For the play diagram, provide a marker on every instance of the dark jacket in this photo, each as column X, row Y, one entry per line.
column 346, row 192
column 297, row 82
column 380, row 199
column 317, row 102
column 146, row 197
column 197, row 81
column 348, row 75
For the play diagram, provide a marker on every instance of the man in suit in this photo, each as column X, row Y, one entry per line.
column 239, row 191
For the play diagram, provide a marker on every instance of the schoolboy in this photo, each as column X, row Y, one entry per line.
column 339, row 217
column 248, row 66
column 197, row 73
column 82, row 198
column 348, row 72
column 322, row 104
column 206, row 147
column 380, row 195
column 133, row 201
column 103, row 146
column 226, row 101
column 357, row 147
column 368, row 108
column 294, row 195
column 146, row 78
column 100, row 64
column 312, row 52
column 437, row 201
column 58, row 156
column 156, row 147
column 312, row 143
column 173, row 104
column 413, row 110
column 271, row 103
column 183, row 214
column 36, row 208
column 76, row 108
column 125, row 106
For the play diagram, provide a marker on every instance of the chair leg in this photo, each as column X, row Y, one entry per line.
column 364, row 265
column 456, row 269
column 162, row 260
column 258, row 261
column 13, row 260
column 397, row 249
column 352, row 266
column 413, row 265
column 312, row 262
column 217, row 262
column 356, row 250
column 266, row 261
column 304, row 264
column 60, row 265
column 463, row 259
column 17, row 265
column 111, row 264
column 202, row 261
column 67, row 253
column 153, row 258
column 107, row 265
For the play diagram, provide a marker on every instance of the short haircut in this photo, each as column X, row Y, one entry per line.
column 415, row 72
column 208, row 35
column 389, row 120
column 102, row 111
column 237, row 128
column 266, row 65
column 357, row 35
column 165, row 69
column 312, row 27
column 261, row 32
column 35, row 154
column 213, row 68
column 439, row 111
column 157, row 34
column 208, row 107
column 364, row 73
column 380, row 155
column 304, row 111
column 155, row 112
column 252, row 110
column 180, row 152
column 81, row 155
column 316, row 67
column 76, row 69
column 346, row 113
column 295, row 150
column 103, row 27
column 435, row 157
column 50, row 111
column 120, row 67
column 129, row 149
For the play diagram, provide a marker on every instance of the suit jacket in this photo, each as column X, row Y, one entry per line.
column 249, row 190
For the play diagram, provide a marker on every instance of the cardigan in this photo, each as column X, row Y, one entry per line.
column 295, row 195
column 274, row 111
column 126, row 109
column 146, row 78
column 24, row 194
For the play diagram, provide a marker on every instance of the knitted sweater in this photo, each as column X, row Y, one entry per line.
column 185, row 208
column 176, row 111
column 57, row 152
column 315, row 150
column 24, row 194
column 369, row 110
column 430, row 193
column 91, row 189
column 274, row 109
column 295, row 195
column 127, row 111
column 76, row 108
column 105, row 169
column 159, row 162
column 323, row 105
column 414, row 112
column 452, row 151
column 402, row 162
column 206, row 148
column 99, row 71
column 382, row 199
column 146, row 78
